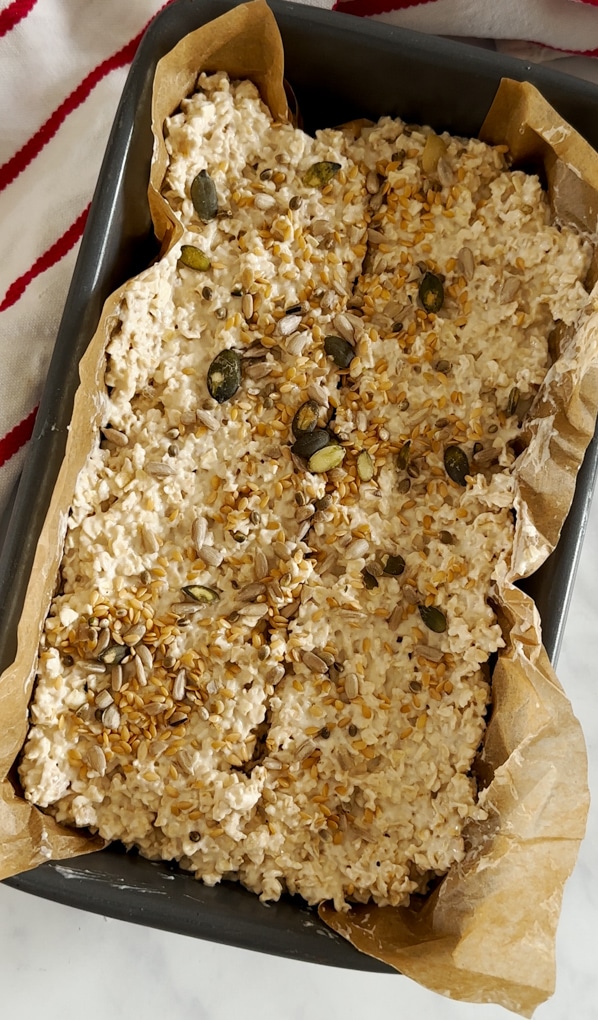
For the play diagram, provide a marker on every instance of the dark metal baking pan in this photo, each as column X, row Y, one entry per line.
column 340, row 68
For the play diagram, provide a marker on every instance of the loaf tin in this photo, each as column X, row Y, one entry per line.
column 340, row 67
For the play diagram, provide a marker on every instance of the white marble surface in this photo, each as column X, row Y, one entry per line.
column 55, row 960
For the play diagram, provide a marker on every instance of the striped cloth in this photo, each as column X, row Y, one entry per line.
column 63, row 64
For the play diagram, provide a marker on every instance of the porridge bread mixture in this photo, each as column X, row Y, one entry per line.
column 265, row 657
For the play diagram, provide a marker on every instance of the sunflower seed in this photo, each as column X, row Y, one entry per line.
column 427, row 652
column 116, row 437
column 375, row 236
column 103, row 642
column 154, row 708
column 258, row 370
column 313, row 662
column 395, row 617
column 351, row 686
column 212, row 556
column 290, row 610
column 465, row 263
column 411, row 596
column 509, row 289
column 96, row 759
column 289, row 324
column 140, row 673
column 372, row 182
column 444, row 173
column 199, row 530
column 296, row 202
column 116, row 677
column 207, row 419
column 275, row 591
column 365, row 466
column 254, row 610
column 487, row 456
column 304, row 513
column 298, row 343
column 111, row 717
column 158, row 469
column 185, row 608
column 264, row 201
column 134, row 635
column 104, row 699
column 149, row 539
column 247, row 305
column 251, row 591
column 320, row 227
column 261, row 564
column 276, row 674
column 446, row 538
column 357, row 549
column 318, row 393
column 178, row 718
column 178, row 687
column 305, row 750
column 186, row 759
column 344, row 327
column 144, row 654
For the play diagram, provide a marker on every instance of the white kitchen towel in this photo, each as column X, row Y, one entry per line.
column 63, row 64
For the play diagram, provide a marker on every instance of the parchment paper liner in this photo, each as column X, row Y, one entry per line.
column 486, row 934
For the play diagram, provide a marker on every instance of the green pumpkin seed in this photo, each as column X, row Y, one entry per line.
column 200, row 593
column 114, row 654
column 431, row 292
column 204, row 197
column 394, row 566
column 224, row 375
column 433, row 618
column 194, row 258
column 513, row 401
column 456, row 464
column 369, row 581
column 365, row 466
column 320, row 174
column 326, row 459
column 403, row 455
column 306, row 418
column 341, row 351
column 309, row 443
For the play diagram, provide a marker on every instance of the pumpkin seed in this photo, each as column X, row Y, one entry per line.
column 403, row 455
column 194, row 258
column 369, row 581
column 394, row 566
column 308, row 443
column 224, row 375
column 431, row 292
column 201, row 593
column 306, row 418
column 512, row 401
column 327, row 459
column 433, row 618
column 446, row 538
column 113, row 654
column 204, row 197
column 365, row 466
column 320, row 174
column 340, row 350
column 456, row 464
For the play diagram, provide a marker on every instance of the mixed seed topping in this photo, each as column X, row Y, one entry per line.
column 263, row 658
